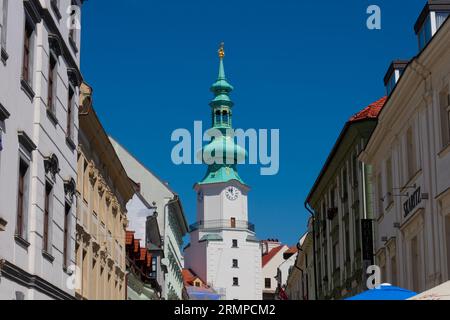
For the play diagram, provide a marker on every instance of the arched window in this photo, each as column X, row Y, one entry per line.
column 225, row 117
column 218, row 120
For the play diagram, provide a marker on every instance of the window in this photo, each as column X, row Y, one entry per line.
column 51, row 90
column 355, row 169
column 235, row 263
column 234, row 243
column 74, row 24
column 411, row 153
column 225, row 117
column 22, row 200
column 447, row 241
column 380, row 195
column 235, row 281
column 390, row 187
column 391, row 84
column 440, row 18
column 85, row 181
column 233, row 222
column 344, row 189
column 28, row 54
column 336, row 255
column 424, row 33
column 218, row 118
column 66, row 244
column 46, row 243
column 415, row 264
column 393, row 270
column 3, row 26
column 70, row 120
column 268, row 283
column 197, row 284
column 444, row 102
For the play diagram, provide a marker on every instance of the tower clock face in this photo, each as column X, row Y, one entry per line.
column 232, row 193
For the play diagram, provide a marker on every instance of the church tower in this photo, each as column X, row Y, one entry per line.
column 223, row 249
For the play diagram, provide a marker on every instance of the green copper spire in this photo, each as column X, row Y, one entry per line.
column 222, row 147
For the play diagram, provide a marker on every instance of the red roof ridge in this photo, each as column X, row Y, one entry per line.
column 272, row 253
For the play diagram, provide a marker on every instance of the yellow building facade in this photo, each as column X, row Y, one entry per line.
column 103, row 189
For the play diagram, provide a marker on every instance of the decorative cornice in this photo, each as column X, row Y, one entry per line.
column 51, row 166
column 4, row 114
column 93, row 173
column 30, row 281
column 26, row 141
column 69, row 188
column 75, row 77
column 55, row 44
column 32, row 8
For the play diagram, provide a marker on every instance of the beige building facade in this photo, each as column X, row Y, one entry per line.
column 103, row 189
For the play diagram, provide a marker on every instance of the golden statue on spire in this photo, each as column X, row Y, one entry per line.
column 222, row 50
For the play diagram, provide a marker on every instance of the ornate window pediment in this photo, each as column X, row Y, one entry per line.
column 69, row 189
column 51, row 166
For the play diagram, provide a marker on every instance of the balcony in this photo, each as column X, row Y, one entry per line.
column 222, row 224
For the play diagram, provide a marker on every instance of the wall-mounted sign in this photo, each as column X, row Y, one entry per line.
column 367, row 240
column 413, row 201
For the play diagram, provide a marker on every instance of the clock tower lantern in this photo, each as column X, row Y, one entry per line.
column 223, row 249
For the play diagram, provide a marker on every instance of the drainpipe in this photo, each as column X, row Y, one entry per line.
column 166, row 217
column 314, row 247
column 302, row 272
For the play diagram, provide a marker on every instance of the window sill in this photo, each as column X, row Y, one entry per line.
column 70, row 143
column 445, row 151
column 26, row 87
column 47, row 256
column 51, row 115
column 21, row 241
column 4, row 56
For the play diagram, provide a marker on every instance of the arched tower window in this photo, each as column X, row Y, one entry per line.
column 225, row 117
column 217, row 117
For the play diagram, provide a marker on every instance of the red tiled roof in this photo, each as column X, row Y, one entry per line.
column 292, row 250
column 267, row 257
column 136, row 245
column 189, row 277
column 370, row 112
column 129, row 237
column 149, row 259
column 143, row 254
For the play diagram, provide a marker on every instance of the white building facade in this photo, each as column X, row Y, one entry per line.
column 410, row 155
column 223, row 249
column 40, row 79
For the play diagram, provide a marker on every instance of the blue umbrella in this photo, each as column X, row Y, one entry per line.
column 384, row 292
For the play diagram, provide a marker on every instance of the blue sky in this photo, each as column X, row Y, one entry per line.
column 303, row 67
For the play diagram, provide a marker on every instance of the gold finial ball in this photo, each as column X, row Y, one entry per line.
column 222, row 50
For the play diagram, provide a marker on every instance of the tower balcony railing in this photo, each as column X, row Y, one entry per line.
column 222, row 224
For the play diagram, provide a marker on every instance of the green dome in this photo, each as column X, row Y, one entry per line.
column 225, row 149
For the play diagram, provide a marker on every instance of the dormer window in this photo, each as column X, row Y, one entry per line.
column 430, row 20
column 393, row 74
